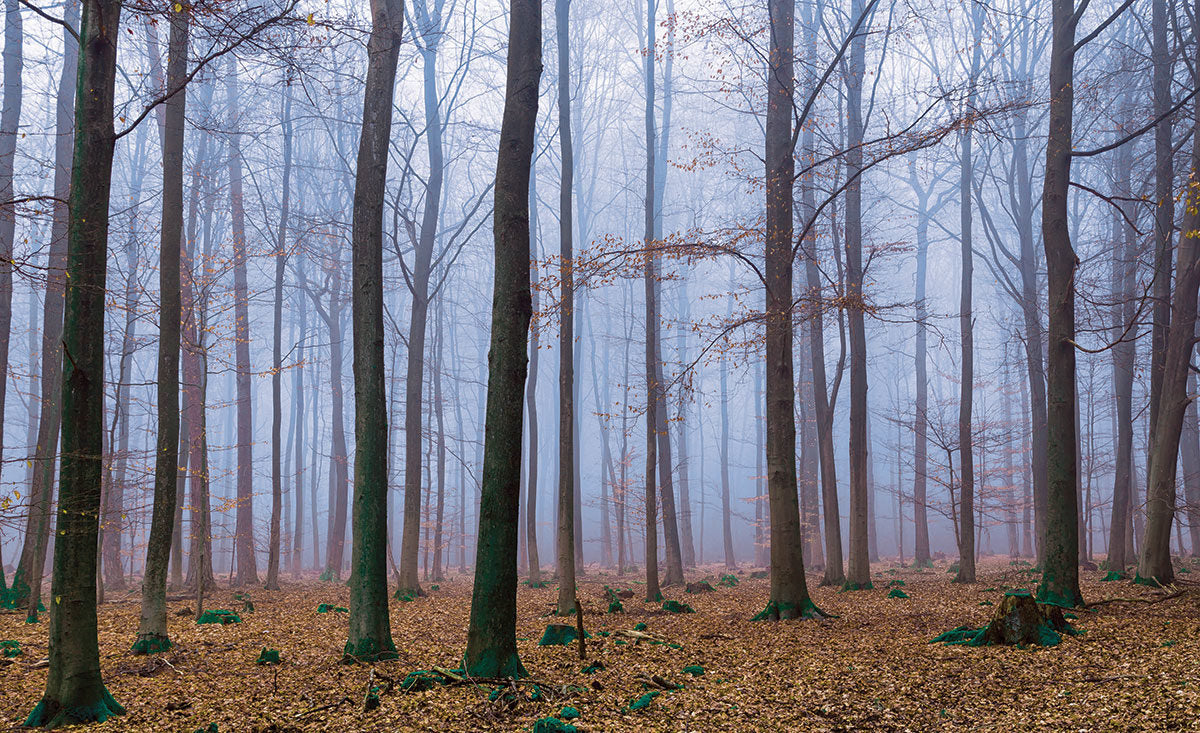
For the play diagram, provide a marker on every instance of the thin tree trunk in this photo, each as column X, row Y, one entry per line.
column 277, row 352
column 566, row 331
column 27, row 580
column 152, row 628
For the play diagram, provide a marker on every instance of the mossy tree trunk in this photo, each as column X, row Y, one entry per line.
column 370, row 636
column 152, row 627
column 1060, row 540
column 492, row 633
column 75, row 692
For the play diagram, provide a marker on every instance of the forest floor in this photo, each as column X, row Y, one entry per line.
column 869, row 668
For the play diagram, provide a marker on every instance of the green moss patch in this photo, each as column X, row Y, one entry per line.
column 728, row 581
column 848, row 586
column 642, row 702
column 593, row 668
column 673, row 606
column 616, row 607
column 568, row 713
column 219, row 616
column 694, row 670
column 897, row 593
column 553, row 725
column 10, row 649
column 560, row 635
column 897, row 583
column 268, row 656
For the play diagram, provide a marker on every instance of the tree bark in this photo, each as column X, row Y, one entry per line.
column 491, row 635
column 247, row 564
column 789, row 591
column 370, row 634
column 1060, row 541
column 277, row 351
column 75, row 692
column 566, row 332
column 152, row 627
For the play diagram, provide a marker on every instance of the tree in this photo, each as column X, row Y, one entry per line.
column 789, row 590
column 247, row 563
column 277, row 352
column 966, row 548
column 1060, row 540
column 492, row 633
column 1154, row 565
column 10, row 120
column 566, row 338
column 152, row 628
column 75, row 692
column 27, row 580
column 370, row 629
column 858, row 567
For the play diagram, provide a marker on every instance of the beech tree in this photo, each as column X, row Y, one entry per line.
column 492, row 633
column 75, row 692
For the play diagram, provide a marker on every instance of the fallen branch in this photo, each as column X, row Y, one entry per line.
column 1150, row 601
column 319, row 708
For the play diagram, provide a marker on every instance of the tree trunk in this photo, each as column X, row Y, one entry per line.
column 1154, row 565
column 152, row 628
column 439, row 412
column 10, row 121
column 75, row 692
column 247, row 565
column 921, row 556
column 966, row 326
column 858, row 571
column 27, row 580
column 491, row 635
column 531, row 483
column 566, row 331
column 789, row 591
column 1060, row 541
column 277, row 351
column 370, row 635
column 726, row 507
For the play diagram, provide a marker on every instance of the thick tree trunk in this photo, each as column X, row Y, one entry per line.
column 1060, row 568
column 566, row 332
column 789, row 591
column 152, row 628
column 75, row 692
column 370, row 634
column 491, row 635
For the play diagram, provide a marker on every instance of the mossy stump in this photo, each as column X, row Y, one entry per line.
column 220, row 616
column 1019, row 620
column 701, row 587
column 673, row 606
column 560, row 635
